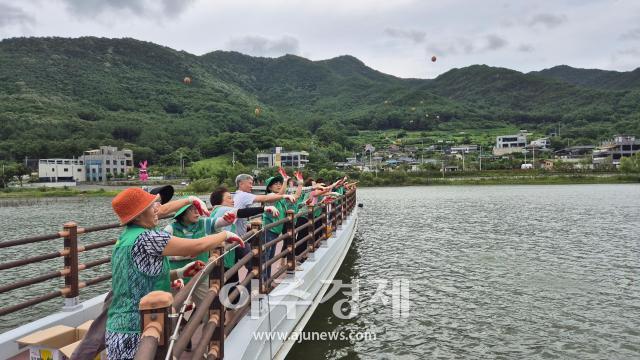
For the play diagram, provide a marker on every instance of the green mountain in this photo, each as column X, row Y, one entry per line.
column 532, row 99
column 593, row 78
column 61, row 96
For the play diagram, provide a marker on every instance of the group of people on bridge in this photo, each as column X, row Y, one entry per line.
column 147, row 258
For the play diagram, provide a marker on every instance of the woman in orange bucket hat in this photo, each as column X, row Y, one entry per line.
column 139, row 263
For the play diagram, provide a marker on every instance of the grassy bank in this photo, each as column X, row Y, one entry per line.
column 512, row 180
column 53, row 192
column 366, row 180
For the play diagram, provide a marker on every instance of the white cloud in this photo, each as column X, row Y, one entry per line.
column 414, row 35
column 261, row 46
column 495, row 42
column 395, row 37
column 468, row 45
column 633, row 34
column 525, row 48
column 91, row 8
column 548, row 20
column 11, row 15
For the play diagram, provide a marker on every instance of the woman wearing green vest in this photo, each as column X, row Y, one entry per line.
column 317, row 196
column 274, row 185
column 222, row 202
column 139, row 261
column 189, row 225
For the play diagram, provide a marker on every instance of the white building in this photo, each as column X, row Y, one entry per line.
column 507, row 144
column 61, row 170
column 542, row 143
column 613, row 151
column 278, row 157
column 107, row 160
column 464, row 149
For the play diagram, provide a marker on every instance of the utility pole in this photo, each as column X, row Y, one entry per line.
column 233, row 161
column 534, row 156
column 462, row 159
column 480, row 157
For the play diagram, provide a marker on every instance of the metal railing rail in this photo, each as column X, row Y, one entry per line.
column 70, row 270
column 212, row 315
column 210, row 311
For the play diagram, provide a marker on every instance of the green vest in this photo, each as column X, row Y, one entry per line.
column 340, row 191
column 218, row 211
column 193, row 231
column 129, row 284
column 301, row 204
column 268, row 218
column 318, row 207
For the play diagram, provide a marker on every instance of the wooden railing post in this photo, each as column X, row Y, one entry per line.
column 256, row 250
column 311, row 241
column 351, row 202
column 345, row 203
column 339, row 205
column 353, row 197
column 334, row 212
column 71, row 291
column 291, row 242
column 156, row 327
column 217, row 309
column 325, row 221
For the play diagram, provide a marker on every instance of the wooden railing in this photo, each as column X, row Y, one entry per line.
column 210, row 311
column 70, row 270
column 155, row 337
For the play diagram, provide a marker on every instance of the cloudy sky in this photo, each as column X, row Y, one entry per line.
column 397, row 37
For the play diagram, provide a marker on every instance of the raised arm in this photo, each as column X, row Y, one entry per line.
column 300, row 181
column 322, row 191
column 285, row 181
column 192, row 247
column 250, row 211
column 173, row 206
column 273, row 197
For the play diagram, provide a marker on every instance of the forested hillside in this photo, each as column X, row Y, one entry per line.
column 61, row 96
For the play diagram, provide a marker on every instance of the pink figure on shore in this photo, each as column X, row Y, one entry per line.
column 144, row 176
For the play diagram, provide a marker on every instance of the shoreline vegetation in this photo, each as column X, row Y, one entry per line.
column 515, row 180
column 13, row 193
column 380, row 180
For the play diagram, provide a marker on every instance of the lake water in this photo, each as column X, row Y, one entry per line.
column 489, row 271
column 507, row 272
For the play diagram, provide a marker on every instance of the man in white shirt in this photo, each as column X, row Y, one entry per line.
column 243, row 198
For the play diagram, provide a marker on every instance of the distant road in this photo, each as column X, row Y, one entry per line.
column 532, row 176
column 81, row 187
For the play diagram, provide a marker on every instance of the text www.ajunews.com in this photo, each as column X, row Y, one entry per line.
column 314, row 336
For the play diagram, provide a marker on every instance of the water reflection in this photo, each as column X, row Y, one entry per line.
column 495, row 271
